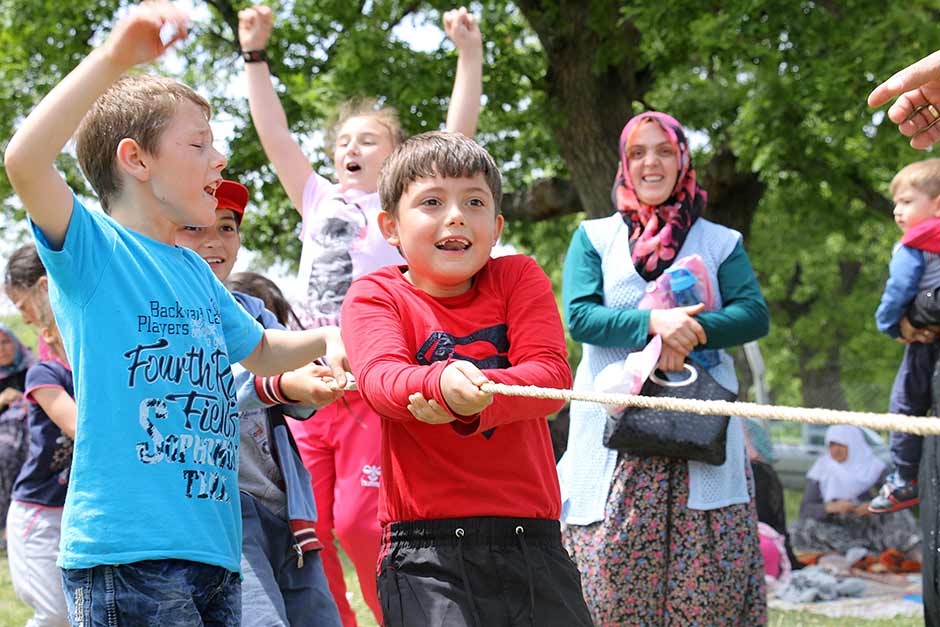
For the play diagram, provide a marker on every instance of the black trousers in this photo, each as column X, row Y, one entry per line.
column 479, row 572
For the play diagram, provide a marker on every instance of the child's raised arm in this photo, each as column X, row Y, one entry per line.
column 30, row 156
column 59, row 406
column 292, row 166
column 464, row 110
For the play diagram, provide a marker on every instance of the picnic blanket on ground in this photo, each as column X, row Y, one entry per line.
column 883, row 597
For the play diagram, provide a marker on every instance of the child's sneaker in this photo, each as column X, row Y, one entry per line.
column 895, row 494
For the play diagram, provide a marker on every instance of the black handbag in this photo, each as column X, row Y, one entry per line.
column 682, row 435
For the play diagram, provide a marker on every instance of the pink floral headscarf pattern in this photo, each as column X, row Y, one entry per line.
column 657, row 232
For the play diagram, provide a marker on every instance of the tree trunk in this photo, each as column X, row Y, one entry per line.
column 822, row 385
column 592, row 107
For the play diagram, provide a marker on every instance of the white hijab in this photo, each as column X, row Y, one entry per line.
column 849, row 479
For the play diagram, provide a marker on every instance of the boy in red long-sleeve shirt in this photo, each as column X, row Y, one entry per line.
column 469, row 498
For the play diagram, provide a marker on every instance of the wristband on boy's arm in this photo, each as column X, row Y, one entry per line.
column 255, row 56
column 269, row 391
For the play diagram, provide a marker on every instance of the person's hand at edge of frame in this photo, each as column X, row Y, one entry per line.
column 917, row 108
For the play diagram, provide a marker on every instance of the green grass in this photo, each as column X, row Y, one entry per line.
column 805, row 619
column 791, row 504
column 14, row 614
column 363, row 613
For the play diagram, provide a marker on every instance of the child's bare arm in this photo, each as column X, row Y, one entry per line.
column 279, row 351
column 59, row 406
column 267, row 114
column 310, row 385
column 30, row 156
column 464, row 110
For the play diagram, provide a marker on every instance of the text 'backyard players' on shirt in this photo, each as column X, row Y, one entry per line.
column 150, row 333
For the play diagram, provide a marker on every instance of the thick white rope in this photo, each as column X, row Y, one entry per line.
column 888, row 422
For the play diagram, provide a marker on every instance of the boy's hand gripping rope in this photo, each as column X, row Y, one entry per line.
column 890, row 422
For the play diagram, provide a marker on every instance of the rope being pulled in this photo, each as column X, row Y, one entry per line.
column 888, row 422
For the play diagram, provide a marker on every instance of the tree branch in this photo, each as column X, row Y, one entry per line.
column 788, row 304
column 872, row 197
column 733, row 195
column 406, row 11
column 543, row 200
column 229, row 15
column 216, row 34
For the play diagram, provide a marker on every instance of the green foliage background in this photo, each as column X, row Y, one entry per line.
column 783, row 82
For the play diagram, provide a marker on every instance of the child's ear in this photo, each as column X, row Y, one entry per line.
column 131, row 158
column 48, row 335
column 499, row 228
column 388, row 224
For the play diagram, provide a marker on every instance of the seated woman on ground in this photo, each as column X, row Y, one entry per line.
column 15, row 360
column 834, row 514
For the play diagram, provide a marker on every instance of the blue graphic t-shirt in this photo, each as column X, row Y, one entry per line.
column 44, row 477
column 149, row 332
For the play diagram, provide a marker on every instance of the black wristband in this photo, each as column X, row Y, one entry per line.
column 255, row 56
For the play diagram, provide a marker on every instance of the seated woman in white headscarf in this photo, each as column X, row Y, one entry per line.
column 834, row 514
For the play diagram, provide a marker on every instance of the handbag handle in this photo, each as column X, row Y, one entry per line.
column 693, row 376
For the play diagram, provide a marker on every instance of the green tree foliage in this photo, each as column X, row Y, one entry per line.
column 784, row 84
column 774, row 92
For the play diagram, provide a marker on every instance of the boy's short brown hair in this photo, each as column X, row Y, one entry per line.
column 448, row 155
column 923, row 176
column 137, row 107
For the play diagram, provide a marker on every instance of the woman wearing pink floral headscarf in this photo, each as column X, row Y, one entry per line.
column 659, row 541
column 657, row 231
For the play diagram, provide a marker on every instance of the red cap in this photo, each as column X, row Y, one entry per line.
column 234, row 196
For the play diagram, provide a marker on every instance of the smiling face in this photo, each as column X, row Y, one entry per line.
column 912, row 206
column 445, row 228
column 653, row 164
column 187, row 168
column 217, row 244
column 362, row 145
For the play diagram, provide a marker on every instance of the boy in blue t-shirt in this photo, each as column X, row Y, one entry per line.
column 150, row 334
